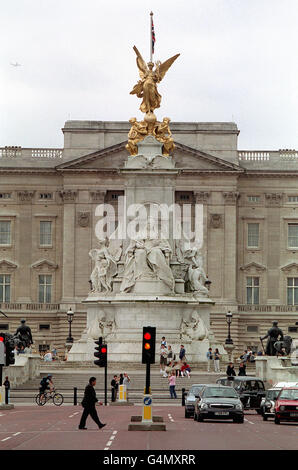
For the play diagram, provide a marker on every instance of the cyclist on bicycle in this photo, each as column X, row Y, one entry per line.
column 46, row 384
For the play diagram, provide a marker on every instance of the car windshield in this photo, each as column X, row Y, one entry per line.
column 195, row 390
column 219, row 393
column 272, row 394
column 289, row 394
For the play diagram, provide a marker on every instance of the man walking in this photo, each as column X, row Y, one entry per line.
column 88, row 404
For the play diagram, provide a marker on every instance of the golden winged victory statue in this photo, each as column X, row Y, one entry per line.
column 146, row 88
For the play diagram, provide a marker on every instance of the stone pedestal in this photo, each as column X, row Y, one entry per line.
column 273, row 369
column 120, row 318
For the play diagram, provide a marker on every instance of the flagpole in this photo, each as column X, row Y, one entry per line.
column 151, row 18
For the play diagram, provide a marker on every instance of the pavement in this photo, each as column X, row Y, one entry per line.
column 56, row 428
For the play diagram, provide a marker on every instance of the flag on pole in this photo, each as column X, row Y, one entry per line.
column 152, row 34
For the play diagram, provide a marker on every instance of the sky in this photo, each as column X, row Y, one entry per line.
column 238, row 63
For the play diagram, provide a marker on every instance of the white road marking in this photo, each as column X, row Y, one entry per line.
column 109, row 443
column 112, row 437
column 115, row 432
column 170, row 418
column 6, row 439
column 248, row 421
column 16, row 434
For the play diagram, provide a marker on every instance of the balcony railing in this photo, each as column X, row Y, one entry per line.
column 19, row 152
column 29, row 306
column 267, row 308
column 264, row 155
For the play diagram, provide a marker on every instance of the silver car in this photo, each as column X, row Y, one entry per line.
column 191, row 397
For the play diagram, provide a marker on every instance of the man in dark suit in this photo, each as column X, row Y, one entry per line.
column 88, row 404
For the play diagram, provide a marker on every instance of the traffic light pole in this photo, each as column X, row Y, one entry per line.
column 0, row 376
column 106, row 385
column 147, row 389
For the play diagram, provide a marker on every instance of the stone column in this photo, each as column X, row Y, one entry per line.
column 273, row 203
column 230, row 246
column 68, row 263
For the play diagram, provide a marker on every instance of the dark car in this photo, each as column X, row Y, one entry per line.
column 251, row 390
column 219, row 402
column 268, row 403
column 191, row 397
column 286, row 405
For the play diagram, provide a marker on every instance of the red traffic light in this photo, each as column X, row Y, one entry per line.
column 147, row 336
column 104, row 350
column 1, row 339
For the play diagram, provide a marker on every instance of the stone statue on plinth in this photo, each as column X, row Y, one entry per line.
column 105, row 267
column 24, row 335
column 273, row 335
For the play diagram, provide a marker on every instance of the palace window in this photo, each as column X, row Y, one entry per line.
column 4, row 326
column 43, row 347
column 4, row 287
column 45, row 196
column 45, row 233
column 44, row 327
column 252, row 329
column 252, row 290
column 253, row 198
column 5, row 232
column 253, row 235
column 292, row 198
column 45, row 289
column 292, row 291
column 5, row 195
column 293, row 235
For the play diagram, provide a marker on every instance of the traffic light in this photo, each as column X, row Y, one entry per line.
column 9, row 352
column 101, row 353
column 148, row 348
column 2, row 351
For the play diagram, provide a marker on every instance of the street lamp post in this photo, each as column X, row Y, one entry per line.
column 229, row 345
column 70, row 315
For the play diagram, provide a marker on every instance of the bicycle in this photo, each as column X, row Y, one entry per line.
column 42, row 398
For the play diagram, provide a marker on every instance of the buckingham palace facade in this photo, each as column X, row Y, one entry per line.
column 48, row 198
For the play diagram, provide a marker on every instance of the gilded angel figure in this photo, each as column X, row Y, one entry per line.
column 146, row 88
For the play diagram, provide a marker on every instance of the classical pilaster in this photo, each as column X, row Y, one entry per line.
column 230, row 245
column 273, row 204
column 69, row 217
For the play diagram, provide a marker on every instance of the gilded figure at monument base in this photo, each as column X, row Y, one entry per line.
column 160, row 130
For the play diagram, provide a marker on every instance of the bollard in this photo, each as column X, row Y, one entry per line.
column 6, row 395
column 183, row 397
column 75, row 396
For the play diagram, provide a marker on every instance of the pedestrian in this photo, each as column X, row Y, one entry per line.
column 230, row 370
column 6, row 384
column 121, row 378
column 172, row 384
column 163, row 353
column 182, row 353
column 185, row 369
column 88, row 404
column 209, row 355
column 242, row 369
column 48, row 356
column 126, row 382
column 171, row 356
column 163, row 341
column 216, row 360
column 114, row 385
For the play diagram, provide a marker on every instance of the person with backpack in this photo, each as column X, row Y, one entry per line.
column 46, row 383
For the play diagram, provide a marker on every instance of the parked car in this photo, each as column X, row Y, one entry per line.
column 286, row 405
column 191, row 397
column 251, row 390
column 268, row 403
column 218, row 402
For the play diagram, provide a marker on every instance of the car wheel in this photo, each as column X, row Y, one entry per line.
column 238, row 420
column 259, row 411
column 265, row 418
column 200, row 419
column 194, row 417
column 276, row 420
column 186, row 415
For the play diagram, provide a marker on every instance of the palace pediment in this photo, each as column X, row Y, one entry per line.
column 44, row 264
column 291, row 267
column 6, row 265
column 252, row 267
column 114, row 157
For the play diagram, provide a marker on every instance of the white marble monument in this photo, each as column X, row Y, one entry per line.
column 148, row 279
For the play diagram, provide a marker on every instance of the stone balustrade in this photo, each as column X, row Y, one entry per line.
column 267, row 308
column 29, row 306
column 19, row 152
column 263, row 155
